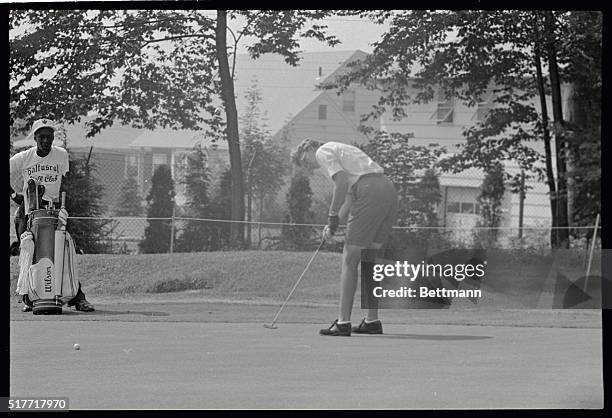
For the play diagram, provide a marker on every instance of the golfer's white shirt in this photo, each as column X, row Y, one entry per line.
column 47, row 171
column 336, row 156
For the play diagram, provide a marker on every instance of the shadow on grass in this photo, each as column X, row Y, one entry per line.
column 431, row 337
column 109, row 313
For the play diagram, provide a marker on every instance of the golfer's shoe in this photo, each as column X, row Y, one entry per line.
column 80, row 303
column 374, row 327
column 337, row 330
column 27, row 304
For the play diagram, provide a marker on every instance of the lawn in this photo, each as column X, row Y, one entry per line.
column 511, row 277
column 241, row 274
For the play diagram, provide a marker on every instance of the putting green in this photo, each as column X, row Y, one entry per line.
column 143, row 356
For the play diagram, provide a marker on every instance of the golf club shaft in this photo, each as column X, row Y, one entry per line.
column 298, row 282
column 588, row 272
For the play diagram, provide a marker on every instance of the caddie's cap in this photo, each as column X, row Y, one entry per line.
column 39, row 124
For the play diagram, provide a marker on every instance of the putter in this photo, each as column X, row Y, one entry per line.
column 272, row 325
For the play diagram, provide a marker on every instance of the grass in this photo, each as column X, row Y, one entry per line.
column 219, row 274
column 272, row 274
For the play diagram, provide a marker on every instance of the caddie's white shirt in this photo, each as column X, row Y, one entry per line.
column 336, row 156
column 47, row 171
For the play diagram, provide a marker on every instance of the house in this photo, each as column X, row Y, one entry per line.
column 120, row 151
column 293, row 108
column 285, row 89
column 170, row 147
column 332, row 117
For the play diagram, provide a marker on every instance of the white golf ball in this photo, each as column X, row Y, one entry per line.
column 77, row 347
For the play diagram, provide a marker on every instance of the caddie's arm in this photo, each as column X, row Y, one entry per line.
column 16, row 197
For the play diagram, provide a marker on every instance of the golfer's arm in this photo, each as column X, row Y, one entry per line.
column 340, row 192
column 344, row 210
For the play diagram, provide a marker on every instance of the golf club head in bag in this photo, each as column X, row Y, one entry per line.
column 35, row 194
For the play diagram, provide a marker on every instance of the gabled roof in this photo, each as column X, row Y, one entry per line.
column 116, row 137
column 357, row 55
column 322, row 94
column 285, row 90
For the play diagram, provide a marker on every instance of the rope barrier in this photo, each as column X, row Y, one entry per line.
column 454, row 228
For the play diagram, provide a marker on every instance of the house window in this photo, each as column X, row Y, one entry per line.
column 453, row 207
column 348, row 101
column 485, row 103
column 322, row 112
column 463, row 207
column 159, row 159
column 131, row 166
column 467, row 207
column 445, row 108
column 180, row 164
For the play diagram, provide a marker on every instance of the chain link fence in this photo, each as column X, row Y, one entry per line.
column 124, row 235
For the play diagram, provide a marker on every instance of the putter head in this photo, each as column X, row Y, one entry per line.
column 270, row 326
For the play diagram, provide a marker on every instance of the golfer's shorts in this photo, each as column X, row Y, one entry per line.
column 373, row 210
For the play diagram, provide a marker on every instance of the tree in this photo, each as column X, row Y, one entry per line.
column 147, row 68
column 427, row 197
column 197, row 235
column 129, row 202
column 221, row 206
column 402, row 162
column 490, row 199
column 299, row 200
column 265, row 162
column 584, row 113
column 84, row 195
column 160, row 202
column 418, row 194
column 465, row 53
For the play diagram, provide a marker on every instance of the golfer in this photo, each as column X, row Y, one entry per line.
column 362, row 192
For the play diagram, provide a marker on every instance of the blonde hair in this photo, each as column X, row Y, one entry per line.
column 297, row 156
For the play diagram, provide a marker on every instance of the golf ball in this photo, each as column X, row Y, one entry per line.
column 77, row 347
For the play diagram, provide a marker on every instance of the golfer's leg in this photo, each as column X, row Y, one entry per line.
column 372, row 314
column 351, row 257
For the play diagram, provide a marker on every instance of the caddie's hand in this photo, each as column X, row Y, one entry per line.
column 62, row 216
column 17, row 198
column 27, row 235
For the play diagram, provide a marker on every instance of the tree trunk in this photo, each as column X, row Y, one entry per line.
column 249, row 200
column 550, row 175
column 575, row 116
column 261, row 203
column 560, row 143
column 233, row 139
column 249, row 217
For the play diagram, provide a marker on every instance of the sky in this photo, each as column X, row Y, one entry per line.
column 353, row 32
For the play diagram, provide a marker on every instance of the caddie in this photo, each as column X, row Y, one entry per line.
column 46, row 164
column 369, row 198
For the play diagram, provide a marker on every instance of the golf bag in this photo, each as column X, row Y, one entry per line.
column 46, row 261
column 20, row 222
